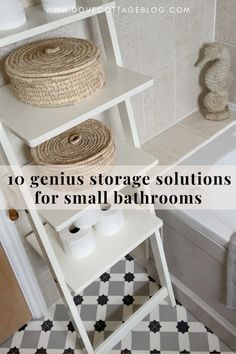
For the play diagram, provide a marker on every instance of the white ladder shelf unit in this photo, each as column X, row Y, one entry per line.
column 35, row 125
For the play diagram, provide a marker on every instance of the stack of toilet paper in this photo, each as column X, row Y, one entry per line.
column 79, row 240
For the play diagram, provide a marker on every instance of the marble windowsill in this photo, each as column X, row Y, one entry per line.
column 180, row 140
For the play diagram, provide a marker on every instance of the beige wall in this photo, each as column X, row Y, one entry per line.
column 226, row 33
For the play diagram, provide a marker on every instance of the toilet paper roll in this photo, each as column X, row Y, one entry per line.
column 111, row 221
column 78, row 243
column 87, row 219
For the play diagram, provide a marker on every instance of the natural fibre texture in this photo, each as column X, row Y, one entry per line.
column 56, row 72
column 85, row 150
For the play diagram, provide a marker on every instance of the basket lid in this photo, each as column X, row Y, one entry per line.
column 79, row 145
column 52, row 57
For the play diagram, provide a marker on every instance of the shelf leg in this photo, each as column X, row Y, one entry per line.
column 44, row 242
column 132, row 321
column 113, row 56
column 161, row 265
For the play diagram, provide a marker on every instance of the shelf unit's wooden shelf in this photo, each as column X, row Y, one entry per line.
column 39, row 22
column 35, row 125
column 135, row 161
column 78, row 274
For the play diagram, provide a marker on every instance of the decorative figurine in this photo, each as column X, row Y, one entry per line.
column 218, row 79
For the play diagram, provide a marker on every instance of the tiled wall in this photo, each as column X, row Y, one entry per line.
column 226, row 33
column 166, row 47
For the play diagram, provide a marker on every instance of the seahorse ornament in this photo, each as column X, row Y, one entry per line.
column 218, row 80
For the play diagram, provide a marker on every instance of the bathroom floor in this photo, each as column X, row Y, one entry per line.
column 103, row 306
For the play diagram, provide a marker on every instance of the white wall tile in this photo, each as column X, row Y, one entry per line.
column 153, row 9
column 124, row 17
column 159, row 105
column 209, row 20
column 140, row 117
column 188, row 87
column 225, row 21
column 226, row 33
column 232, row 89
column 130, row 49
column 189, row 30
column 156, row 44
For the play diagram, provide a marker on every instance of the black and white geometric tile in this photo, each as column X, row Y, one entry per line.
column 103, row 306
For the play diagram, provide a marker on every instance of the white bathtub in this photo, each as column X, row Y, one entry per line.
column 196, row 248
column 220, row 225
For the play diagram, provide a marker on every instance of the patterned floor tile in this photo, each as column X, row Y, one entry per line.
column 103, row 306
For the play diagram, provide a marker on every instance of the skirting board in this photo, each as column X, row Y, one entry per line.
column 201, row 310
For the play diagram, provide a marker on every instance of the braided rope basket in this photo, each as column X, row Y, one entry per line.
column 56, row 72
column 88, row 149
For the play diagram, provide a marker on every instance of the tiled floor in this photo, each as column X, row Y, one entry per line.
column 103, row 306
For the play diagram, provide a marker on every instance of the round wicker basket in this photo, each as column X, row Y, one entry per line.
column 88, row 149
column 56, row 72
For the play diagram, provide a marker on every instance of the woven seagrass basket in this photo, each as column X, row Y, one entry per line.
column 88, row 149
column 56, row 72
